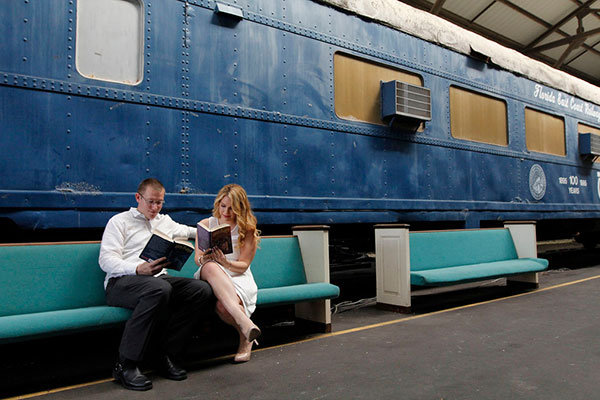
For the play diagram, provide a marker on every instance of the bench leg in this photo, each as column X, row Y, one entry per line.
column 528, row 280
column 392, row 267
column 317, row 314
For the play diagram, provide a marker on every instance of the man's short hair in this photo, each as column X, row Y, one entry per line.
column 150, row 182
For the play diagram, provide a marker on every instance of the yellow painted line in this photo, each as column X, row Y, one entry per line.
column 57, row 390
column 332, row 334
column 399, row 320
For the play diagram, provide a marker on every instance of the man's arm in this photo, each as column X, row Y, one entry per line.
column 111, row 251
column 111, row 258
column 179, row 230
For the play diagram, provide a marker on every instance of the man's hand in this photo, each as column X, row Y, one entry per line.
column 151, row 268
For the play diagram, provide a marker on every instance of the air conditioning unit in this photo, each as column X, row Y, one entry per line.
column 589, row 146
column 405, row 105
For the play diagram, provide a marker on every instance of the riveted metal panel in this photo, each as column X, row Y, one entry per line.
column 251, row 101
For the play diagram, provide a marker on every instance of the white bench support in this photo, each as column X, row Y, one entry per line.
column 314, row 247
column 524, row 238
column 392, row 266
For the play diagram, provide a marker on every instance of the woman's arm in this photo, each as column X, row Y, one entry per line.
column 246, row 256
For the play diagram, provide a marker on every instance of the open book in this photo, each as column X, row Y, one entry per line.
column 219, row 236
column 176, row 250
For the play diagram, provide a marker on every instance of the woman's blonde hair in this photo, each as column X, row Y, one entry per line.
column 242, row 210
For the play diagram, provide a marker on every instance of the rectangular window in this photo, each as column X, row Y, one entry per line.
column 544, row 133
column 109, row 40
column 583, row 128
column 477, row 117
column 357, row 87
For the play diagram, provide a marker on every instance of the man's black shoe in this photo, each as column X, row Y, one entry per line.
column 130, row 377
column 169, row 370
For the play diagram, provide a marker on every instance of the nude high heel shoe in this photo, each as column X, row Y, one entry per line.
column 244, row 352
column 251, row 332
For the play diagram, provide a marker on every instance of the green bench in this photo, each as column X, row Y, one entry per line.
column 443, row 258
column 55, row 288
column 52, row 288
column 293, row 270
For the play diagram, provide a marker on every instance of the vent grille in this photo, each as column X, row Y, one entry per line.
column 400, row 100
column 589, row 145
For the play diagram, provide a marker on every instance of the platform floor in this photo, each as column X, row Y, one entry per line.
column 481, row 343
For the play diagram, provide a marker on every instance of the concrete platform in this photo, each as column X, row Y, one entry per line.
column 480, row 343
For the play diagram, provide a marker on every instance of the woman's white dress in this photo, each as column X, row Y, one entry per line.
column 244, row 284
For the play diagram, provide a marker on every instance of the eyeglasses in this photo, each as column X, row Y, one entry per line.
column 153, row 202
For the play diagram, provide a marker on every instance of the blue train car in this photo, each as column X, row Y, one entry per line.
column 282, row 97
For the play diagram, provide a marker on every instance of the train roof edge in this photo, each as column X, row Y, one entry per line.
column 412, row 21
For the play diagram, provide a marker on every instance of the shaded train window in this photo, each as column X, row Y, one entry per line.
column 109, row 40
column 583, row 128
column 544, row 133
column 477, row 117
column 357, row 87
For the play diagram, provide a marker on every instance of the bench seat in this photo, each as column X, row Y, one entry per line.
column 476, row 272
column 51, row 288
column 49, row 323
column 442, row 258
column 296, row 293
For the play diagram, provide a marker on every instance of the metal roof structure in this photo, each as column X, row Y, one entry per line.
column 564, row 34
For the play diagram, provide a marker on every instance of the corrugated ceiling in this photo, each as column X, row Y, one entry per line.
column 564, row 34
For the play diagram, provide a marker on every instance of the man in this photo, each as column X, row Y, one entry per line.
column 165, row 308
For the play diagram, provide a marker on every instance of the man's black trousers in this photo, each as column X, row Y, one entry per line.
column 165, row 309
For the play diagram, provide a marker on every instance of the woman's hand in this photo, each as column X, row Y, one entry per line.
column 219, row 257
column 205, row 257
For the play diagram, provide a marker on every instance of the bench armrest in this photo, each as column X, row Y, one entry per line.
column 392, row 266
column 524, row 238
column 314, row 247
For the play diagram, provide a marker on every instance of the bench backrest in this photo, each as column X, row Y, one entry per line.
column 278, row 262
column 45, row 277
column 439, row 249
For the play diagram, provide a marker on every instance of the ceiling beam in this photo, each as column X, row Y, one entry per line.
column 560, row 23
column 568, row 40
column 490, row 34
column 437, row 6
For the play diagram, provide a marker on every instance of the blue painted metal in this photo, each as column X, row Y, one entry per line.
column 251, row 101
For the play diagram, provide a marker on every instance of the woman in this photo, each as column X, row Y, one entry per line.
column 230, row 275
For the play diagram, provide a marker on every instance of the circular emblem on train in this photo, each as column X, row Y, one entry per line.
column 537, row 182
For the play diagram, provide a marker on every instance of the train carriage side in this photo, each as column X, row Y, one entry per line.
column 283, row 98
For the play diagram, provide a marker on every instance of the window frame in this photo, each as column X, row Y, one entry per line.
column 480, row 95
column 93, row 44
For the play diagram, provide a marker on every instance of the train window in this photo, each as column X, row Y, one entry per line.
column 109, row 40
column 583, row 128
column 476, row 117
column 357, row 87
column 544, row 133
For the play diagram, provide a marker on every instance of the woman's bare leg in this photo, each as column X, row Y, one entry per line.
column 244, row 347
column 225, row 292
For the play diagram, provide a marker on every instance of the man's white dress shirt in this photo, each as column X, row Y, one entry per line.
column 125, row 237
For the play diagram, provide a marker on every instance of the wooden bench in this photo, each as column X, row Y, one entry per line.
column 442, row 258
column 55, row 288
